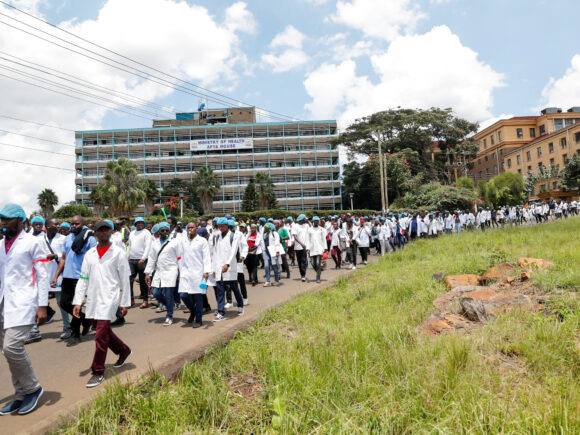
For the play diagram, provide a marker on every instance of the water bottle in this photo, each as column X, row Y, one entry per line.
column 203, row 284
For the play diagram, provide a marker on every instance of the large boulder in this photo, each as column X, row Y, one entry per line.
column 446, row 300
column 456, row 280
column 480, row 305
column 534, row 263
column 498, row 273
column 444, row 322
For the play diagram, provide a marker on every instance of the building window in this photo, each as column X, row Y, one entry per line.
column 484, row 143
column 492, row 140
column 542, row 130
column 532, row 132
column 501, row 152
column 487, row 171
column 529, row 155
column 542, row 188
column 520, row 132
column 502, row 166
column 486, row 158
column 577, row 137
column 529, row 169
column 479, row 161
column 499, row 136
column 551, row 147
column 519, row 159
column 493, row 155
column 540, row 165
column 480, row 174
column 539, row 150
column 551, row 162
column 495, row 169
column 519, row 171
column 509, row 163
column 558, row 124
column 563, row 142
column 565, row 157
column 555, row 185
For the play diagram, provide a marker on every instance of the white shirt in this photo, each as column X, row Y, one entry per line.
column 316, row 240
column 300, row 232
column 24, row 280
column 139, row 245
column 195, row 261
column 164, row 265
column 117, row 239
column 336, row 237
column 57, row 245
column 362, row 237
column 243, row 249
column 274, row 244
column 101, row 280
column 225, row 249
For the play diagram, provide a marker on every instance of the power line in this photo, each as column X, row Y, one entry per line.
column 37, row 123
column 35, row 149
column 137, row 62
column 37, row 138
column 36, row 164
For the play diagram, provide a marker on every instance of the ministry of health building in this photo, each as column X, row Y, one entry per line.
column 298, row 156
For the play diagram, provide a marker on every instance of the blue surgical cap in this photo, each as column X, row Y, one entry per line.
column 301, row 217
column 231, row 222
column 270, row 226
column 315, row 218
column 263, row 220
column 163, row 225
column 229, row 216
column 155, row 229
column 222, row 221
column 215, row 219
column 10, row 211
column 270, row 220
column 37, row 219
column 65, row 225
column 139, row 219
column 202, row 232
column 290, row 218
column 110, row 222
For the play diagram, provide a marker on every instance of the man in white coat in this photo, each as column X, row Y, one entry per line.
column 194, row 270
column 316, row 245
column 164, row 256
column 24, row 286
column 105, row 272
column 224, row 267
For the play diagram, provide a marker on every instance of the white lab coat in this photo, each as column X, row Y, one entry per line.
column 24, row 280
column 101, row 280
column 57, row 245
column 243, row 250
column 362, row 237
column 164, row 265
column 316, row 241
column 225, row 249
column 273, row 240
column 195, row 261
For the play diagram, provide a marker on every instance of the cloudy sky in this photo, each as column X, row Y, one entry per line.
column 308, row 59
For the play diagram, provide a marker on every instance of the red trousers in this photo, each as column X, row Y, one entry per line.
column 105, row 339
column 336, row 255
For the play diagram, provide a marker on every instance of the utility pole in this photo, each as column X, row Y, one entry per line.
column 381, row 170
column 351, row 196
column 386, row 183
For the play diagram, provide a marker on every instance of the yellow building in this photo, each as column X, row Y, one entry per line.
column 507, row 136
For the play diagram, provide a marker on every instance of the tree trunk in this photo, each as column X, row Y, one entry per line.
column 148, row 206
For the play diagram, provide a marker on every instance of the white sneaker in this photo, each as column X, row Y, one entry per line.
column 240, row 311
column 267, row 284
column 228, row 305
column 168, row 322
column 245, row 302
column 219, row 318
column 160, row 308
column 353, row 267
column 303, row 279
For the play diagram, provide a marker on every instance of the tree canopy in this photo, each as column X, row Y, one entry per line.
column 121, row 178
column 570, row 175
column 265, row 192
column 206, row 184
column 250, row 201
column 47, row 200
column 505, row 189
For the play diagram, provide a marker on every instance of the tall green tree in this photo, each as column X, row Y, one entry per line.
column 265, row 191
column 47, row 200
column 150, row 194
column 100, row 198
column 250, row 200
column 505, row 189
column 465, row 182
column 570, row 175
column 121, row 177
column 206, row 185
column 177, row 187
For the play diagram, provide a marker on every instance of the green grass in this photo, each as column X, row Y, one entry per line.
column 351, row 359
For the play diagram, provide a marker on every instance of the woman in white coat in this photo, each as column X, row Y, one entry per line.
column 105, row 272
column 363, row 239
column 194, row 270
column 24, row 286
column 271, row 252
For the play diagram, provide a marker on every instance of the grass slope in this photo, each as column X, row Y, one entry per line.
column 350, row 358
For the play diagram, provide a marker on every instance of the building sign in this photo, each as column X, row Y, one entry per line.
column 242, row 143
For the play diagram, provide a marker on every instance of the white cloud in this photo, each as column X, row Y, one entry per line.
column 184, row 40
column 287, row 53
column 421, row 71
column 564, row 92
column 439, row 2
column 379, row 18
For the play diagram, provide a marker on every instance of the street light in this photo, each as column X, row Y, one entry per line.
column 351, row 196
column 181, row 205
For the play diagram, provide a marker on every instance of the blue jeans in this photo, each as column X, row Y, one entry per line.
column 63, row 313
column 267, row 262
column 165, row 296
column 221, row 294
column 194, row 303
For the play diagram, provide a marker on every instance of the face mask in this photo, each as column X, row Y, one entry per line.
column 163, row 237
column 36, row 232
column 10, row 233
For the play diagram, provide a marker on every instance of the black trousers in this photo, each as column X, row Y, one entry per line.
column 285, row 267
column 139, row 269
column 66, row 303
column 252, row 265
column 302, row 259
column 242, row 285
column 364, row 252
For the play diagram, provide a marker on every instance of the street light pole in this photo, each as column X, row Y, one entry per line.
column 181, row 204
column 351, row 196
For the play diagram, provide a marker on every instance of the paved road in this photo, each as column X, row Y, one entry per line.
column 63, row 371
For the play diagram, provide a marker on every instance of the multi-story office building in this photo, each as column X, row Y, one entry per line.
column 298, row 156
column 507, row 136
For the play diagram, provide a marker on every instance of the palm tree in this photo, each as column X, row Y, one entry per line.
column 265, row 191
column 206, row 185
column 47, row 200
column 123, row 186
column 151, row 192
column 100, row 198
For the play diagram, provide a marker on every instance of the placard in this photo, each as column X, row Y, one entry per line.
column 240, row 143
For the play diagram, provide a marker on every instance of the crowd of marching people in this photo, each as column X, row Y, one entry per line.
column 90, row 269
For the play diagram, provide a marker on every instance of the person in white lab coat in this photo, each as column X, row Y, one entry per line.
column 336, row 235
column 139, row 246
column 105, row 272
column 24, row 286
column 243, row 254
column 363, row 240
column 300, row 234
column 316, row 245
column 194, row 270
column 162, row 270
column 224, row 267
column 272, row 250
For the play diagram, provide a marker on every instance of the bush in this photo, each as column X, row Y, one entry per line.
column 505, row 189
column 465, row 183
column 435, row 196
column 68, row 211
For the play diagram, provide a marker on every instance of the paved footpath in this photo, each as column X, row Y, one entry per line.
column 63, row 371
